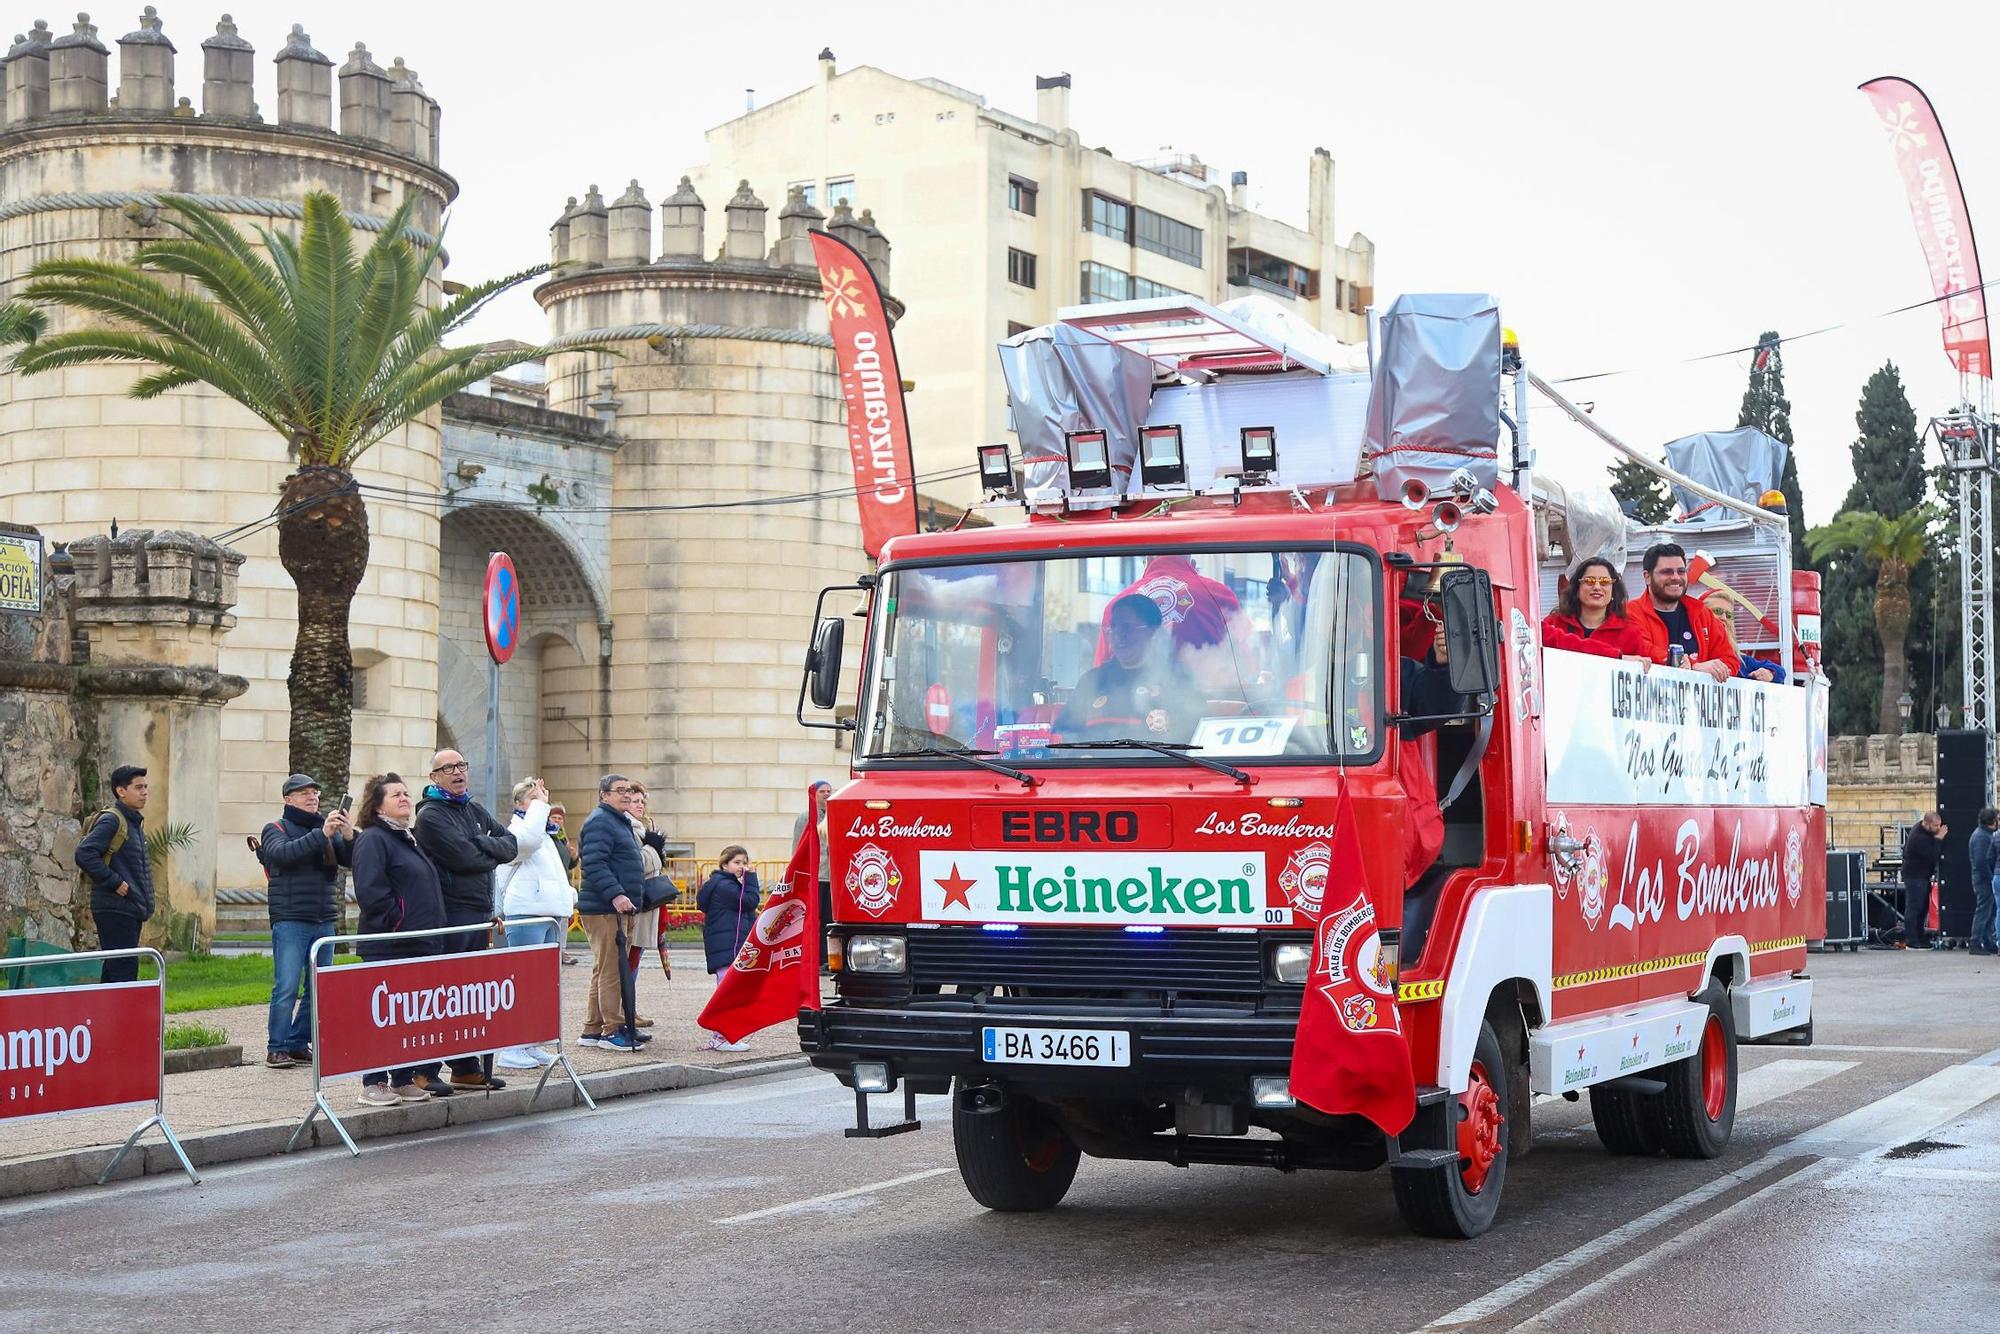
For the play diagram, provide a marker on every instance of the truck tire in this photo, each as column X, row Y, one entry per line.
column 1695, row 1115
column 1014, row 1160
column 1463, row 1204
column 1624, row 1124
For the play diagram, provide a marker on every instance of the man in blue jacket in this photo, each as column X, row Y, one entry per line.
column 302, row 852
column 1981, row 848
column 614, row 878
column 113, row 855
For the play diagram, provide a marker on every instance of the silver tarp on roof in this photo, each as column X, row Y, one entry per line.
column 1743, row 463
column 1434, row 404
column 1061, row 379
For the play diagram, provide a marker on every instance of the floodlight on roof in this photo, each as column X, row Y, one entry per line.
column 1260, row 450
column 1161, row 460
column 1089, row 459
column 996, row 471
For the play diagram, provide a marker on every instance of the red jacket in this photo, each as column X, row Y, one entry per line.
column 1711, row 640
column 1614, row 639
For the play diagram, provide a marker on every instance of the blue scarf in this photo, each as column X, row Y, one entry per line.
column 432, row 792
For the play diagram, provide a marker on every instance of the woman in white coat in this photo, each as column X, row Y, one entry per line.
column 534, row 884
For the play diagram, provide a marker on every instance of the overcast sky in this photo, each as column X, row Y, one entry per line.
column 1635, row 189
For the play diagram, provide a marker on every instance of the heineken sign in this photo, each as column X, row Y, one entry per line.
column 1084, row 888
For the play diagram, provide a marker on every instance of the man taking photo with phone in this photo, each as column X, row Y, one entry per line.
column 302, row 852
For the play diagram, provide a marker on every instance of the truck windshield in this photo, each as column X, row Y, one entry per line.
column 1240, row 654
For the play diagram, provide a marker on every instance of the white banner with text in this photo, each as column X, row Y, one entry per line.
column 1619, row 735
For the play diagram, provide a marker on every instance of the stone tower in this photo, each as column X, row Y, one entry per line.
column 726, row 392
column 80, row 175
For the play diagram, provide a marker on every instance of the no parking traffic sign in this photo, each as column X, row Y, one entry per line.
column 503, row 607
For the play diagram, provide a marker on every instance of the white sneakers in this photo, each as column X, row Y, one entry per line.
column 523, row 1058
column 716, row 1042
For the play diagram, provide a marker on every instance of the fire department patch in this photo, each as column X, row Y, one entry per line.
column 1593, row 880
column 1356, row 971
column 873, row 880
column 1304, row 878
column 1527, row 654
column 766, row 944
column 1795, row 867
column 1172, row 596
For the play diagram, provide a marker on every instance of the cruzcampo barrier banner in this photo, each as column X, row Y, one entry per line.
column 73, row 1049
column 878, row 425
column 379, row 1016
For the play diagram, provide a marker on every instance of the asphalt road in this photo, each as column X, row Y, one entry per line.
column 1862, row 1191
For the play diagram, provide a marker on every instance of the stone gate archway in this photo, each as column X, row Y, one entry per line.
column 551, row 692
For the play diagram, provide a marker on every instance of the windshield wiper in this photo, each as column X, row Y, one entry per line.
column 1179, row 750
column 971, row 755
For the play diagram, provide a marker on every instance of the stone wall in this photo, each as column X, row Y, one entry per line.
column 42, row 757
column 1873, row 781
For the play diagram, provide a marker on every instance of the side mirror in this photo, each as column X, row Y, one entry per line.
column 823, row 662
column 1471, row 631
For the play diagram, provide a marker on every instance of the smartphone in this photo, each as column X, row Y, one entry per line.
column 346, row 803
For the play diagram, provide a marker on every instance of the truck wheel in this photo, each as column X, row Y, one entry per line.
column 1015, row 1160
column 1463, row 1203
column 1693, row 1118
column 1623, row 1123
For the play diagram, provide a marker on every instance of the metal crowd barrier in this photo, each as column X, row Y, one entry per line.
column 326, row 945
column 13, row 1043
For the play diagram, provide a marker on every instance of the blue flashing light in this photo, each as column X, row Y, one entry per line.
column 1145, row 930
column 999, row 926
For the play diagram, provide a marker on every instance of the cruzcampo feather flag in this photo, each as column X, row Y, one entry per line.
column 1350, row 1054
column 776, row 973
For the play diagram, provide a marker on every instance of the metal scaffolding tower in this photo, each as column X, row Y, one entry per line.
column 1967, row 436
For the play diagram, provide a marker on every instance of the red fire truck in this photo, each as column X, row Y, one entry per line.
column 1098, row 756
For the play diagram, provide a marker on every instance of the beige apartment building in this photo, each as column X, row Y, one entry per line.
column 1001, row 221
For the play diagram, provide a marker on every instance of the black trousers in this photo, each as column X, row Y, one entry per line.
column 1916, row 910
column 118, row 931
column 466, row 943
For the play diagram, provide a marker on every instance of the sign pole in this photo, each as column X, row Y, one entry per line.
column 492, row 735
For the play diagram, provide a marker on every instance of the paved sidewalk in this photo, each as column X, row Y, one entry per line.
column 252, row 1094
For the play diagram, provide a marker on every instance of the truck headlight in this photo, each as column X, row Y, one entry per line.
column 1290, row 963
column 876, row 954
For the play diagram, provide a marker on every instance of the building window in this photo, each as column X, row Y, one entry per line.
column 1101, row 282
column 1164, row 236
column 1021, row 194
column 1015, row 328
column 1020, row 267
column 1145, row 289
column 808, row 190
column 1107, row 217
column 840, row 190
column 369, row 691
column 1268, row 273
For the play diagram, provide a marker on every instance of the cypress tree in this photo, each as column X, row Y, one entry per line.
column 1766, row 408
column 1643, row 495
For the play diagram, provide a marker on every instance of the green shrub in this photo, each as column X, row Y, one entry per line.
column 183, row 1034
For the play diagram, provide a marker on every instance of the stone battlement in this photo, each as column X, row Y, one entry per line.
column 619, row 235
column 1893, row 761
column 46, row 79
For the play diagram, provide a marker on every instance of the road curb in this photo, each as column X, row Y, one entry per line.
column 263, row 1139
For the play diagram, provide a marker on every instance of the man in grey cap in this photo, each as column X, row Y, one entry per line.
column 302, row 852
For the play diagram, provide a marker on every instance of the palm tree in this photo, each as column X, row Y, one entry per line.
column 1894, row 547
column 20, row 323
column 332, row 348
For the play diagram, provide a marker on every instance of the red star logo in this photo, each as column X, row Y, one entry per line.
column 1677, row 1030
column 955, row 887
column 1579, row 1053
column 1635, row 1039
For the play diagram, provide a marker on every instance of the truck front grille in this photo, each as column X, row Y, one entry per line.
column 1060, row 961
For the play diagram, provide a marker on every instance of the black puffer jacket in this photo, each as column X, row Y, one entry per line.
column 465, row 844
column 128, row 864
column 295, row 851
column 396, row 888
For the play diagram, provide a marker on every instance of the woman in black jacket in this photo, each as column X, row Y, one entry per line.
column 728, row 903
column 396, row 889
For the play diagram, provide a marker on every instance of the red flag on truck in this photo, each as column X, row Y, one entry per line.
column 1350, row 1054
column 776, row 973
column 878, row 425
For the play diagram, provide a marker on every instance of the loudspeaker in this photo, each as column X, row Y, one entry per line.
column 1846, row 897
column 1964, row 788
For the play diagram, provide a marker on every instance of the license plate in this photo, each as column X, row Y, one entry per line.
column 1057, row 1046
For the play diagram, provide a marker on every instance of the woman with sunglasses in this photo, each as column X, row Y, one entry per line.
column 1590, row 616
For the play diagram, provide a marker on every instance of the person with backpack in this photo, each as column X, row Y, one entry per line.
column 302, row 852
column 113, row 855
